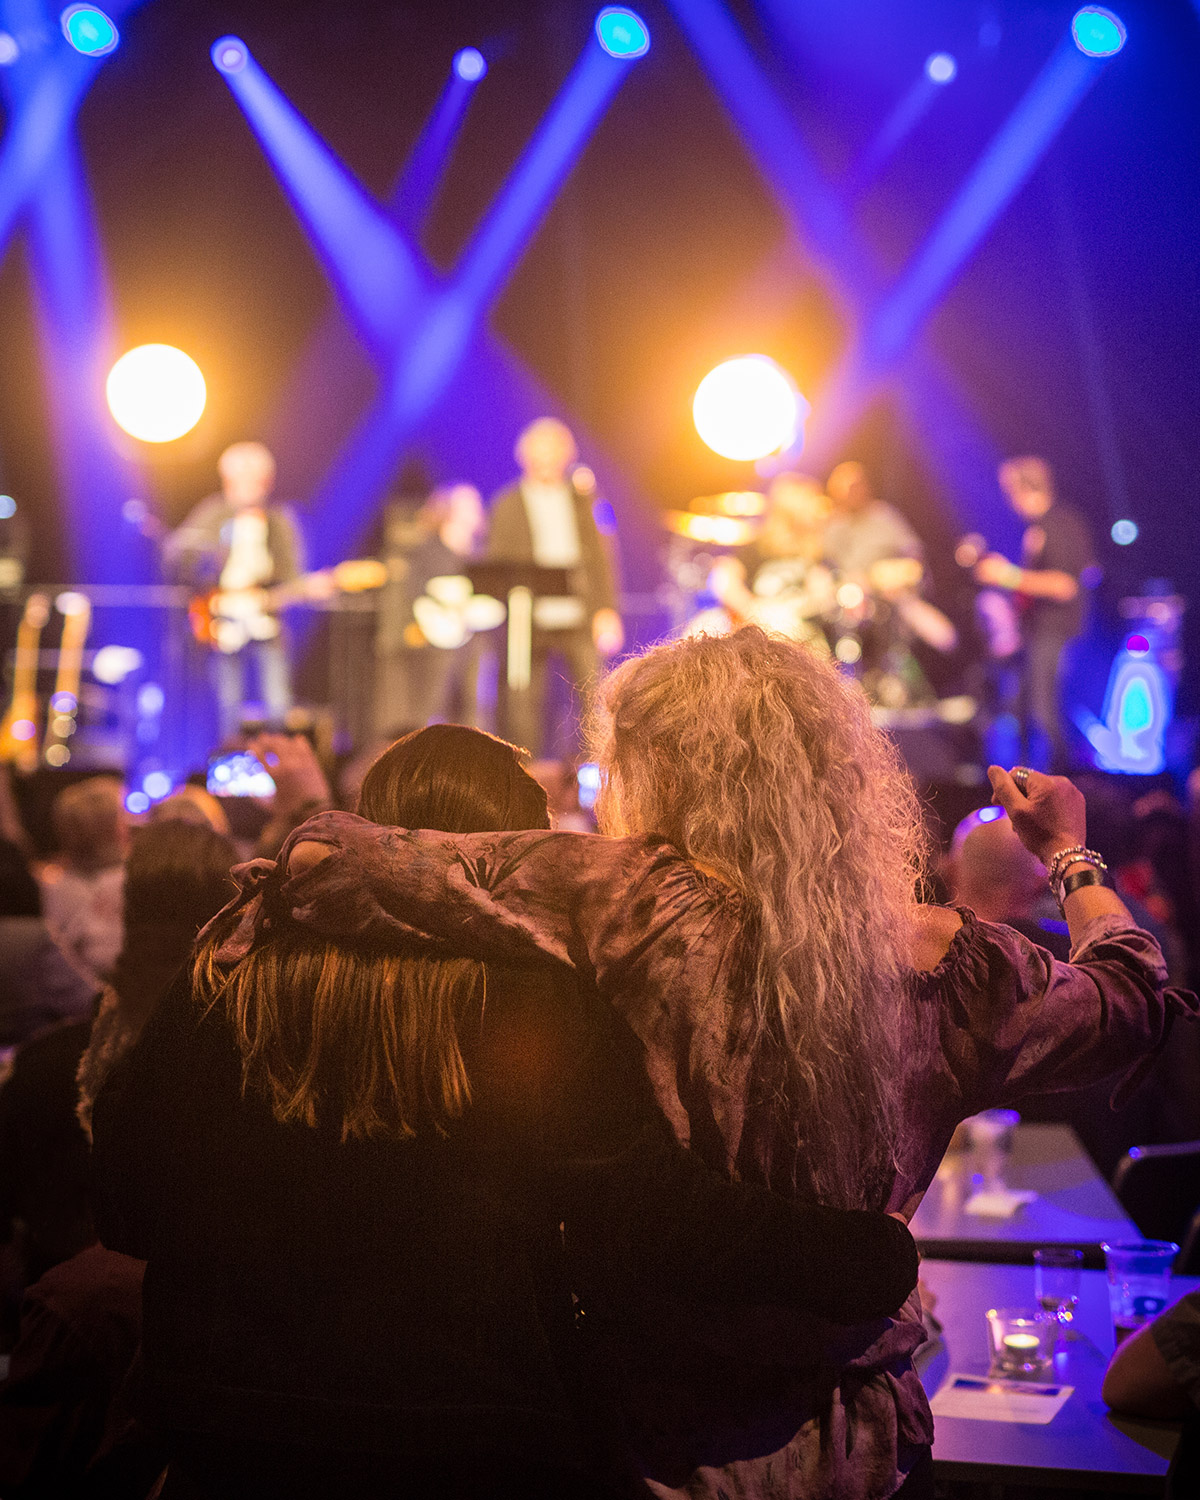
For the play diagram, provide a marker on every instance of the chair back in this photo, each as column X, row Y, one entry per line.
column 1159, row 1188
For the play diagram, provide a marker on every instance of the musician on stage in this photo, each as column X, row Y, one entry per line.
column 1047, row 586
column 545, row 517
column 240, row 542
column 426, row 656
column 865, row 533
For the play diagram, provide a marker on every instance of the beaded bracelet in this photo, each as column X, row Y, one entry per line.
column 1077, row 854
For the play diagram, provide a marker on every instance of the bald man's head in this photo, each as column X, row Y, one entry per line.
column 991, row 871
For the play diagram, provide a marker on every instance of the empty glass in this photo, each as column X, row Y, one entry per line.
column 1056, row 1279
column 1139, row 1281
column 990, row 1136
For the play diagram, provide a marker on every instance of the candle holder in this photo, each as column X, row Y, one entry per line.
column 1021, row 1341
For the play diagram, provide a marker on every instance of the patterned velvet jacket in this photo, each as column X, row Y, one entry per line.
column 764, row 1403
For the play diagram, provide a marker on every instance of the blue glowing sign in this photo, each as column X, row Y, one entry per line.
column 1137, row 710
column 229, row 54
column 1097, row 32
column 621, row 33
column 89, row 30
column 940, row 68
column 1124, row 532
column 470, row 64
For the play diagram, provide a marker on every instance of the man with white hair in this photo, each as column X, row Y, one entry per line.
column 545, row 517
column 238, row 543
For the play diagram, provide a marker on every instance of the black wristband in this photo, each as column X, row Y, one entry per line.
column 1076, row 882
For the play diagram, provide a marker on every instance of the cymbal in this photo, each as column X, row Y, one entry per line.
column 731, row 503
column 713, row 531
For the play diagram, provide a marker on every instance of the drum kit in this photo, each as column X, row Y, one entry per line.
column 869, row 624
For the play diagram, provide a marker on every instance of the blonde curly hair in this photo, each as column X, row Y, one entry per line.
column 759, row 760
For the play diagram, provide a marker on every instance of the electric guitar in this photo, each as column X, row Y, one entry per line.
column 228, row 619
column 19, row 730
column 76, row 610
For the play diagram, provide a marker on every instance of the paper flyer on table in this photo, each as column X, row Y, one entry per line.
column 985, row 1400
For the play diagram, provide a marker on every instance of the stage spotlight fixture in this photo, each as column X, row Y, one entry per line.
column 9, row 51
column 622, row 33
column 156, row 785
column 113, row 664
column 747, row 407
column 940, row 68
column 137, row 802
column 8, row 507
column 89, row 30
column 1124, row 532
column 156, row 393
column 470, row 64
column 229, row 54
column 1098, row 32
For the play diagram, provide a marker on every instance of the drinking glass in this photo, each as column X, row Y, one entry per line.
column 990, row 1136
column 1139, row 1281
column 1020, row 1340
column 1056, row 1279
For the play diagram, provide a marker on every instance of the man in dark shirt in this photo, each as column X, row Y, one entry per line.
column 1048, row 584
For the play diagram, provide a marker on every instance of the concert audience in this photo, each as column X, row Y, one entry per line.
column 38, row 983
column 378, row 1194
column 803, row 1023
column 80, row 1322
column 81, row 891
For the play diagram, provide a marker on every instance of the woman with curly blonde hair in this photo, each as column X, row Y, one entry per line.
column 803, row 1022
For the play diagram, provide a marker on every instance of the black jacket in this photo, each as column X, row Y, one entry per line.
column 419, row 1299
column 510, row 539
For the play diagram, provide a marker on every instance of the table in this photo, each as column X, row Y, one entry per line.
column 1074, row 1206
column 1083, row 1446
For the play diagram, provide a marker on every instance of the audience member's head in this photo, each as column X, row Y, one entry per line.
column 191, row 804
column 991, row 871
column 176, row 880
column 453, row 778
column 759, row 760
column 91, row 824
column 368, row 1040
column 20, row 895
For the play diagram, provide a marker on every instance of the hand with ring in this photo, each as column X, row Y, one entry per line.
column 1048, row 813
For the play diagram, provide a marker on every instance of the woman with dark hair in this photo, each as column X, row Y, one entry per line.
column 803, row 1022
column 378, row 1192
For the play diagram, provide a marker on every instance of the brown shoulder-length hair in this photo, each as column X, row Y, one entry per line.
column 356, row 1039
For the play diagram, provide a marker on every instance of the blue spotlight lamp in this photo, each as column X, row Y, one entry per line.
column 9, row 50
column 229, row 54
column 470, row 64
column 89, row 30
column 1124, row 533
column 940, row 68
column 1098, row 32
column 622, row 33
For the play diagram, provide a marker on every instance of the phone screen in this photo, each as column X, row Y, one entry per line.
column 587, row 780
column 239, row 774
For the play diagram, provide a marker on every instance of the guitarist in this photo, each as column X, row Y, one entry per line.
column 240, row 542
column 1048, row 586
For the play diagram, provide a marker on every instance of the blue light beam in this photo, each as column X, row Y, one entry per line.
column 418, row 183
column 992, row 184
column 425, row 364
column 373, row 272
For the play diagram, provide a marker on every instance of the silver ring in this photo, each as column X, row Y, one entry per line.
column 1020, row 774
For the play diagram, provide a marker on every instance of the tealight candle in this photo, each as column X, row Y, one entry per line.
column 1019, row 1342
